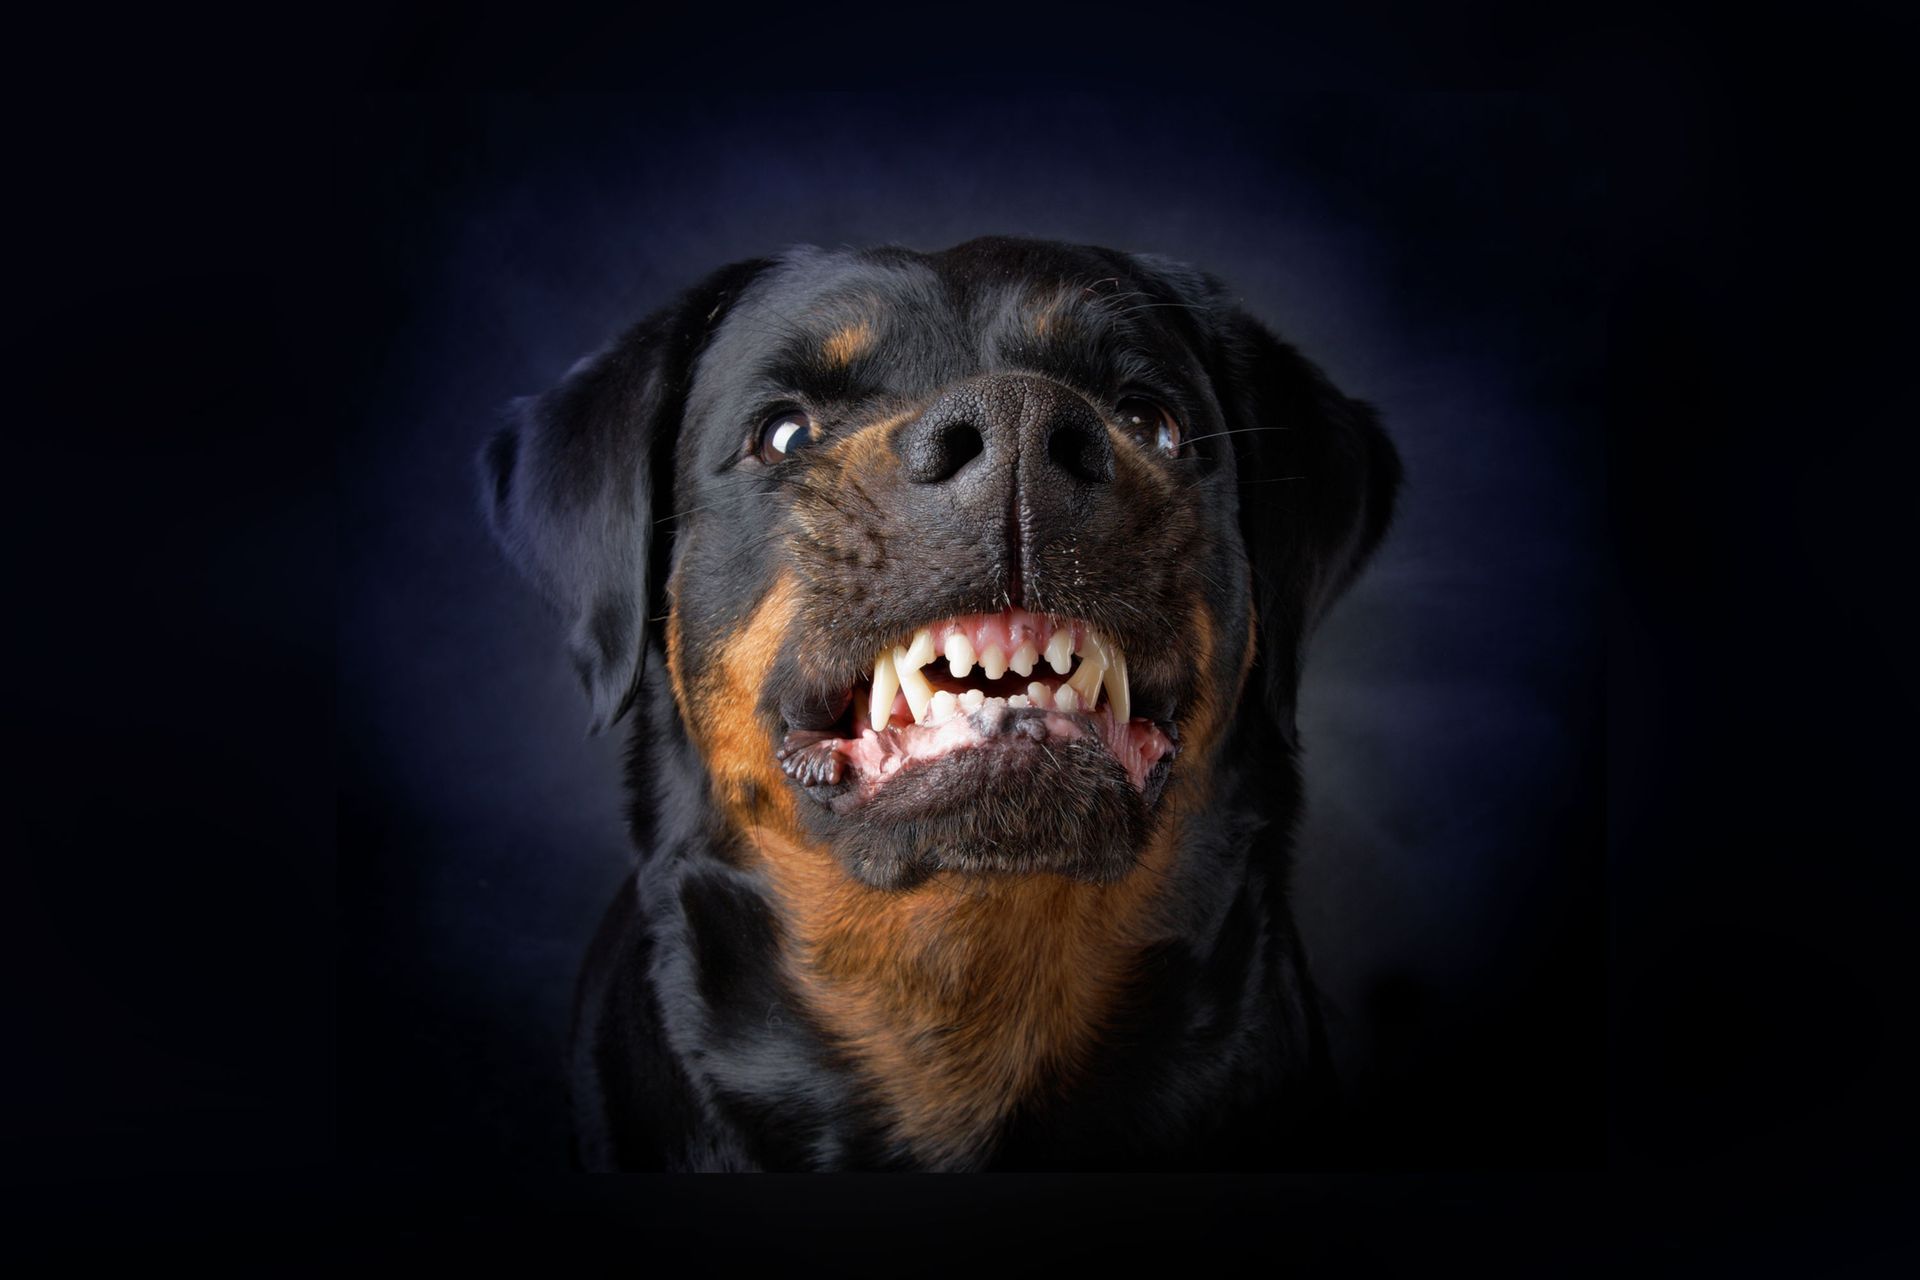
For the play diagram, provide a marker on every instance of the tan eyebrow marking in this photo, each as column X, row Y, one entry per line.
column 1045, row 315
column 846, row 342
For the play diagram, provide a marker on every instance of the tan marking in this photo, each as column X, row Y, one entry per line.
column 718, row 704
column 868, row 451
column 847, row 342
column 1204, row 721
column 675, row 663
column 1050, row 315
column 840, row 510
column 960, row 998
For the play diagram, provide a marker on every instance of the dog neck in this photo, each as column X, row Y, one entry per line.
column 959, row 1000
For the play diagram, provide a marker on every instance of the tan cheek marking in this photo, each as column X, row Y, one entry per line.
column 1206, row 719
column 675, row 648
column 847, row 342
column 718, row 707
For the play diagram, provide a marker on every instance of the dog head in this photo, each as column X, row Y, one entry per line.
column 957, row 562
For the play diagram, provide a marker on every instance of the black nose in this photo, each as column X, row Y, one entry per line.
column 1007, row 473
column 1007, row 433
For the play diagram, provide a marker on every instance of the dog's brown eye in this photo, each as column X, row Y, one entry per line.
column 786, row 435
column 1151, row 424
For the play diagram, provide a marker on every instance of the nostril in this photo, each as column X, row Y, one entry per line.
column 1081, row 453
column 962, row 444
column 938, row 455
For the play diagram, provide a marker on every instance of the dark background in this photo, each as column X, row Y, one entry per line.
column 1441, row 259
column 1437, row 256
column 313, row 834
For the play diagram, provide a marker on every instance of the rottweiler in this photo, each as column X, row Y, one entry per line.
column 960, row 599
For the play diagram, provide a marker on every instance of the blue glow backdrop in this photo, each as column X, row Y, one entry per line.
column 1442, row 257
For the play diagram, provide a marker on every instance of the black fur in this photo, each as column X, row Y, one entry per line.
column 691, row 1051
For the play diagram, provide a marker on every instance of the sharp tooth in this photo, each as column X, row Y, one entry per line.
column 914, row 685
column 885, row 685
column 959, row 655
column 972, row 700
column 1023, row 659
column 1119, row 695
column 919, row 653
column 944, row 705
column 1039, row 695
column 993, row 662
column 1017, row 700
column 1065, row 699
column 1085, row 680
column 1060, row 651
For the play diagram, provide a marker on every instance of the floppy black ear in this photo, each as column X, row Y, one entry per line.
column 1317, row 482
column 572, row 484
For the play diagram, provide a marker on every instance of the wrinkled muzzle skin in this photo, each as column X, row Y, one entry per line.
column 962, row 597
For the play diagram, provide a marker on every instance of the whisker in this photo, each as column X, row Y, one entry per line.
column 1237, row 431
column 709, row 506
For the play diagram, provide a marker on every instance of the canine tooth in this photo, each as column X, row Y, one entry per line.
column 972, row 700
column 914, row 685
column 1065, row 699
column 885, row 684
column 1060, row 651
column 1119, row 696
column 1039, row 695
column 1085, row 681
column 959, row 655
column 993, row 662
column 1017, row 700
column 918, row 654
column 944, row 706
column 1023, row 659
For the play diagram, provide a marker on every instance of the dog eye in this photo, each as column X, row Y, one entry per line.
column 1151, row 424
column 786, row 435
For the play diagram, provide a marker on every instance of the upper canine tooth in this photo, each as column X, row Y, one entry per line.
column 913, row 684
column 885, row 684
column 1023, row 659
column 919, row 653
column 1060, row 651
column 1085, row 681
column 1119, row 696
column 993, row 662
column 959, row 655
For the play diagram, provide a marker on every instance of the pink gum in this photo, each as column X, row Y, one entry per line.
column 1006, row 629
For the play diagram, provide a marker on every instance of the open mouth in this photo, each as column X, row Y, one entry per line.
column 1012, row 680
